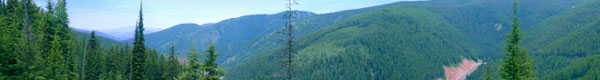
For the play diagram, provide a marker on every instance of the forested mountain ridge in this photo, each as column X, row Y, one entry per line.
column 564, row 44
column 225, row 34
column 165, row 37
column 364, row 43
column 482, row 24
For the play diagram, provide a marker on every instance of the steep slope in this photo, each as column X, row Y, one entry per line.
column 370, row 46
column 165, row 37
column 583, row 69
column 559, row 43
column 577, row 21
column 263, row 43
column 481, row 20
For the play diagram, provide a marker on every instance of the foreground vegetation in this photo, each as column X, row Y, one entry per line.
column 37, row 43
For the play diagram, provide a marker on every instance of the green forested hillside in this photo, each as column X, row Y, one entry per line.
column 398, row 40
column 241, row 50
column 564, row 44
column 224, row 33
column 586, row 68
column 165, row 38
column 559, row 33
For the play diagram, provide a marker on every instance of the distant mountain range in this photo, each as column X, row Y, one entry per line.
column 123, row 33
column 98, row 33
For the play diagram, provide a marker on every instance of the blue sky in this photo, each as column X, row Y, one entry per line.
column 112, row 14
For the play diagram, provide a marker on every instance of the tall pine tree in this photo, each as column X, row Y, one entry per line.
column 93, row 58
column 67, row 37
column 139, row 54
column 211, row 64
column 28, row 46
column 516, row 65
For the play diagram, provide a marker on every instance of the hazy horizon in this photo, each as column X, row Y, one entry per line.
column 113, row 14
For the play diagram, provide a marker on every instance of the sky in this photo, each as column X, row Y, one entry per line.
column 161, row 14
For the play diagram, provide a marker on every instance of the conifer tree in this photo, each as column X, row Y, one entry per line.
column 194, row 65
column 488, row 72
column 21, row 25
column 516, row 65
column 210, row 63
column 8, row 43
column 50, row 27
column 172, row 65
column 92, row 61
column 289, row 33
column 139, row 54
column 113, row 63
column 153, row 70
column 66, row 35
column 28, row 42
column 5, row 41
column 55, row 61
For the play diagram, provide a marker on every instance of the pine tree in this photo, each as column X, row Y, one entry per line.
column 50, row 27
column 516, row 65
column 488, row 72
column 5, row 41
column 153, row 70
column 93, row 59
column 66, row 35
column 28, row 41
column 22, row 57
column 210, row 63
column 112, row 63
column 103, row 65
column 8, row 35
column 289, row 33
column 172, row 65
column 124, row 62
column 139, row 54
column 161, row 68
column 56, row 64
column 194, row 65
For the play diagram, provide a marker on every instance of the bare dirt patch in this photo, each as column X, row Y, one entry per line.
column 462, row 71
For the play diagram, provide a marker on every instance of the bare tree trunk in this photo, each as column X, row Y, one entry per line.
column 83, row 61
